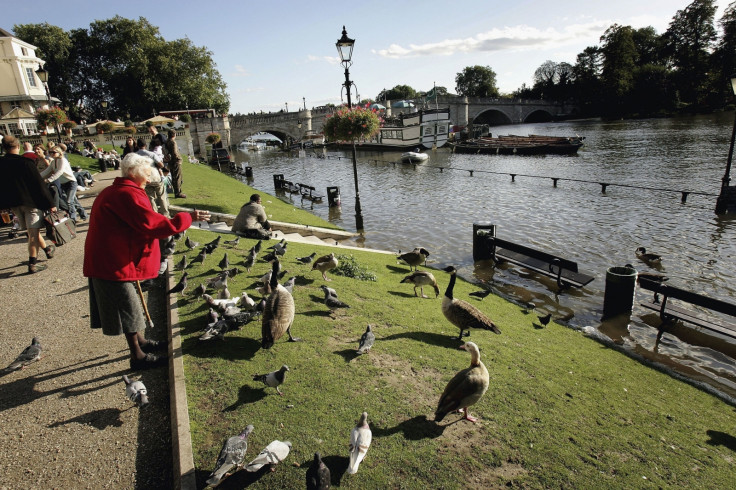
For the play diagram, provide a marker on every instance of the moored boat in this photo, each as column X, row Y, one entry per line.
column 414, row 157
column 520, row 145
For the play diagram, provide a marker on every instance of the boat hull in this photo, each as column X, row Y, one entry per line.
column 520, row 145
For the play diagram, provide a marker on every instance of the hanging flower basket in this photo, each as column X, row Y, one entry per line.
column 352, row 124
column 69, row 125
column 212, row 138
column 50, row 117
column 104, row 127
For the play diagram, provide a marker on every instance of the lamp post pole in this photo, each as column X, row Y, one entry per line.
column 107, row 120
column 345, row 48
column 43, row 75
column 722, row 203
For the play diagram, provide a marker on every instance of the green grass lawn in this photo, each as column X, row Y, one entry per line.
column 562, row 410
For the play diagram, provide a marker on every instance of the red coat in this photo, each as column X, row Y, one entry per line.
column 122, row 241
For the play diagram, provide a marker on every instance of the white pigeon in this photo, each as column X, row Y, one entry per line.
column 221, row 303
column 360, row 441
column 30, row 354
column 273, row 454
column 136, row 391
column 232, row 457
column 247, row 300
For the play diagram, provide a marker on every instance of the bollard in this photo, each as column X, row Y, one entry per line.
column 481, row 249
column 278, row 181
column 333, row 196
column 249, row 172
column 620, row 291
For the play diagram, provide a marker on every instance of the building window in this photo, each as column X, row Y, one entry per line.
column 14, row 129
column 31, row 128
column 31, row 77
column 427, row 130
column 24, row 51
column 441, row 129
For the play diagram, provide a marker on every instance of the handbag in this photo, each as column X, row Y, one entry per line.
column 59, row 228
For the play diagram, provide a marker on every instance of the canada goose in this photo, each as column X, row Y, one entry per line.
column 360, row 441
column 414, row 258
column 465, row 388
column 324, row 264
column 461, row 313
column 421, row 279
column 649, row 258
column 278, row 314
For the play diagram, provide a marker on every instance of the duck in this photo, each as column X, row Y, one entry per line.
column 324, row 264
column 421, row 279
column 278, row 314
column 360, row 441
column 649, row 258
column 466, row 388
column 414, row 258
column 461, row 313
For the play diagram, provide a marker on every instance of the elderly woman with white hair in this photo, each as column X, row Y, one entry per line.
column 122, row 249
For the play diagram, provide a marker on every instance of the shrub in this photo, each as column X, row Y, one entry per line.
column 349, row 267
column 128, row 123
column 69, row 124
column 212, row 138
column 103, row 127
column 185, row 118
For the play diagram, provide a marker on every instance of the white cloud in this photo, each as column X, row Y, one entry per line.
column 515, row 38
column 240, row 71
column 332, row 60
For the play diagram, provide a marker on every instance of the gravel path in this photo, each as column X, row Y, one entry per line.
column 65, row 420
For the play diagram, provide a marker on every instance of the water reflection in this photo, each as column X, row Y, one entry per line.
column 435, row 205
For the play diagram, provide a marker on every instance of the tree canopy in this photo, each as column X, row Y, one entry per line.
column 127, row 63
column 397, row 93
column 476, row 81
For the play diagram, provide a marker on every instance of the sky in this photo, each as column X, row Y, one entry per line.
column 282, row 53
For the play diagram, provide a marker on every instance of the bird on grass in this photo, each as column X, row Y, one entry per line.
column 200, row 257
column 182, row 264
column 331, row 301
column 480, row 294
column 232, row 457
column 289, row 285
column 544, row 319
column 224, row 293
column 191, row 244
column 234, row 242
column 415, row 258
column 648, row 257
column 318, row 475
column 324, row 264
column 233, row 271
column 421, row 279
column 257, row 247
column 278, row 245
column 366, row 341
column 199, row 291
column 246, row 300
column 272, row 454
column 249, row 261
column 180, row 286
column 224, row 262
column 219, row 281
column 216, row 330
column 466, row 388
column 360, row 441
column 278, row 314
column 30, row 354
column 273, row 379
column 308, row 259
column 136, row 391
column 461, row 313
column 214, row 243
column 277, row 252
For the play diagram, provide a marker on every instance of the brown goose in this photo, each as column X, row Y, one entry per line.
column 278, row 314
column 421, row 279
column 324, row 264
column 416, row 257
column 461, row 313
column 465, row 388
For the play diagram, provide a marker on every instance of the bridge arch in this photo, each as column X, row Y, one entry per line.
column 537, row 116
column 492, row 117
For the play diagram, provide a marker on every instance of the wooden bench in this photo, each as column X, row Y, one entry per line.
column 668, row 312
column 308, row 192
column 564, row 271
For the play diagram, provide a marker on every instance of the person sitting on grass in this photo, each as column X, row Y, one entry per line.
column 252, row 221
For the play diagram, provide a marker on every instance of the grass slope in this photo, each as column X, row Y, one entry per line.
column 562, row 410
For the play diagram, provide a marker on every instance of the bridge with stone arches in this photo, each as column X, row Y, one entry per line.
column 463, row 111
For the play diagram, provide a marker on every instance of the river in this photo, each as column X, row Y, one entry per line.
column 405, row 206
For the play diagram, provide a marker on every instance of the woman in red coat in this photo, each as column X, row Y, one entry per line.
column 122, row 248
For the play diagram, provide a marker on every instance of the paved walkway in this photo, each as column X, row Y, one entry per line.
column 65, row 420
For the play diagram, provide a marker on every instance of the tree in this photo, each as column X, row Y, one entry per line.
column 476, row 81
column 723, row 65
column 399, row 92
column 619, row 61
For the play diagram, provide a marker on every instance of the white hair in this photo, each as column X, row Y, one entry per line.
column 135, row 165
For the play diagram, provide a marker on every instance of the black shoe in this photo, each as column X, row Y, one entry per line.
column 155, row 346
column 148, row 362
column 33, row 268
column 49, row 251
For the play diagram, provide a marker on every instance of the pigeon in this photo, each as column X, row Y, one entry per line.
column 199, row 291
column 182, row 264
column 272, row 454
column 191, row 245
column 136, row 392
column 257, row 246
column 318, row 475
column 308, row 259
column 214, row 243
column 366, row 341
column 480, row 294
column 224, row 294
column 360, row 441
column 215, row 330
column 224, row 263
column 209, row 248
column 212, row 316
column 238, row 318
column 273, row 379
column 331, row 301
column 218, row 282
column 169, row 247
column 329, row 291
column 266, row 278
column 249, row 261
column 200, row 258
column 180, row 286
column 247, row 300
column 260, row 306
column 30, row 354
column 544, row 319
column 232, row 457
column 279, row 245
column 289, row 285
column 233, row 242
column 221, row 303
column 232, row 272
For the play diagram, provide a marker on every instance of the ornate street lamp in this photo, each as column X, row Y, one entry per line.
column 345, row 49
column 726, row 195
column 43, row 75
column 104, row 107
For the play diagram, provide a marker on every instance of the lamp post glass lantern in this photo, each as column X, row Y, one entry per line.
column 345, row 50
column 726, row 196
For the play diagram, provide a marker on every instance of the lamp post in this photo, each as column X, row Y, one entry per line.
column 104, row 107
column 304, row 101
column 345, row 49
column 43, row 75
column 287, row 106
column 722, row 203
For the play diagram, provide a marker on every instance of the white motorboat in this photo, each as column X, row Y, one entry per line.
column 414, row 157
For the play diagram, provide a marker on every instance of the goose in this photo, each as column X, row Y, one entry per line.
column 324, row 264
column 461, row 313
column 278, row 314
column 360, row 441
column 648, row 257
column 465, row 388
column 414, row 258
column 421, row 279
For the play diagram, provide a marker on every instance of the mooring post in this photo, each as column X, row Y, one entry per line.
column 603, row 187
column 513, row 177
column 684, row 197
column 471, row 172
column 554, row 181
column 442, row 169
column 481, row 249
